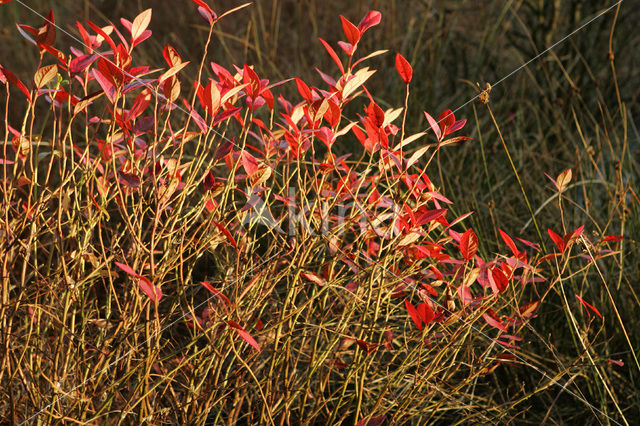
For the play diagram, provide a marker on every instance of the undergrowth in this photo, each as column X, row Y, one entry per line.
column 223, row 248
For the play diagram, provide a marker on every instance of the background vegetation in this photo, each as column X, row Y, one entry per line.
column 575, row 106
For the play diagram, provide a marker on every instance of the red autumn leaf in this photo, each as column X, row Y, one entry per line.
column 154, row 293
column 226, row 233
column 497, row 280
column 243, row 333
column 527, row 309
column 371, row 19
column 557, row 239
column 209, row 181
column 588, row 306
column 434, row 125
column 16, row 81
column 404, row 68
column 465, row 294
column 216, row 292
column 249, row 163
column 612, row 238
column 314, row 278
column 491, row 319
column 367, row 347
column 426, row 313
column 468, row 244
column 304, row 90
column 373, row 421
column 413, row 314
column 126, row 268
column 446, row 119
column 333, row 55
column 509, row 242
column 350, row 31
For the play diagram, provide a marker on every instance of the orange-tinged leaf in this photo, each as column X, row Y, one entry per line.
column 528, row 309
column 171, row 56
column 140, row 24
column 172, row 71
column 44, row 75
column 564, row 179
column 468, row 244
column 358, row 79
column 314, row 278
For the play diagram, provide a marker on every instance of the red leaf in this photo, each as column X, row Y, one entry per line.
column 333, row 55
column 79, row 64
column 434, row 125
column 367, row 347
column 16, row 81
column 527, row 309
column 426, row 313
column 404, row 68
column 102, row 33
column 304, row 90
column 612, row 238
column 249, row 163
column 586, row 305
column 373, row 421
column 154, row 293
column 491, row 319
column 371, row 19
column 413, row 313
column 465, row 294
column 246, row 336
column 446, row 119
column 216, row 292
column 509, row 242
column 226, row 234
column 314, row 278
column 209, row 181
column 126, row 269
column 557, row 240
column 350, row 31
column 468, row 244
